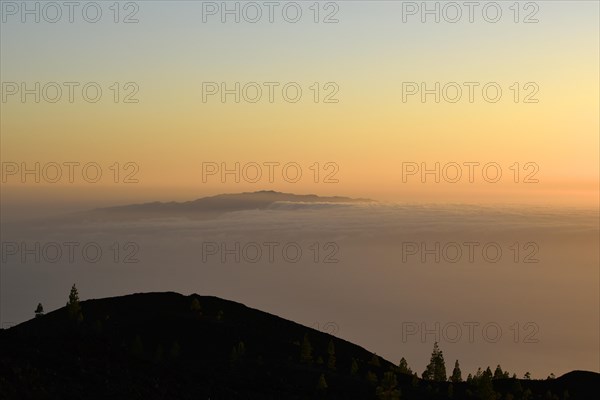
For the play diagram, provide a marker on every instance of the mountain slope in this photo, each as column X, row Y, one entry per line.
column 162, row 345
column 100, row 354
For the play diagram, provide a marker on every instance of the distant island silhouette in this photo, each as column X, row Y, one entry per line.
column 213, row 206
column 171, row 346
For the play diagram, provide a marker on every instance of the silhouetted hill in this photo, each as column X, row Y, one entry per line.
column 163, row 346
column 209, row 207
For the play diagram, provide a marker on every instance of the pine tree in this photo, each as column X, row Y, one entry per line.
column 331, row 356
column 322, row 384
column 237, row 353
column 73, row 306
column 485, row 388
column 39, row 311
column 233, row 356
column 375, row 361
column 415, row 380
column 436, row 369
column 372, row 378
column 388, row 389
column 428, row 373
column 137, row 348
column 498, row 373
column 354, row 367
column 403, row 367
column 241, row 349
column 440, row 367
column 456, row 373
column 195, row 307
column 478, row 374
column 306, row 351
column 487, row 374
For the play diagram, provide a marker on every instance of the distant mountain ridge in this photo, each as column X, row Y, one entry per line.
column 213, row 206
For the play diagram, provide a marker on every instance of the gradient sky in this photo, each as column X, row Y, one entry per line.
column 368, row 134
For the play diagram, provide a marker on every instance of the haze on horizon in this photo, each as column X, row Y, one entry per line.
column 373, row 270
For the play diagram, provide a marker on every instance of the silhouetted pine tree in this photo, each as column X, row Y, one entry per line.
column 73, row 306
column 195, row 307
column 331, row 356
column 436, row 369
column 354, row 367
column 498, row 373
column 456, row 373
column 388, row 389
column 375, row 361
column 39, row 311
column 403, row 367
column 372, row 378
column 306, row 351
column 137, row 348
column 322, row 383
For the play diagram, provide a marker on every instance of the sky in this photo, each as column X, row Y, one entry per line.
column 364, row 129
